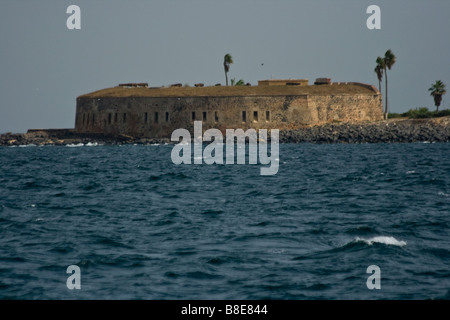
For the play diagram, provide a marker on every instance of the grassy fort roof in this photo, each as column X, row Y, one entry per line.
column 351, row 88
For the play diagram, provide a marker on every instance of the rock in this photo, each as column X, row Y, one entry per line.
column 433, row 130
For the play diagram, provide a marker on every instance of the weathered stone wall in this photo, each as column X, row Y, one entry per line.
column 156, row 117
column 346, row 108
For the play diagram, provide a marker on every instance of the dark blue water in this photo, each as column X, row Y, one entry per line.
column 140, row 227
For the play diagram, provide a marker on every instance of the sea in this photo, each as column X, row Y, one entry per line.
column 337, row 222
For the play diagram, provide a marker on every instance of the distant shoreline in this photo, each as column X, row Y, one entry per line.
column 385, row 131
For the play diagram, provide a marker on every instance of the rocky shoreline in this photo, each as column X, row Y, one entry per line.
column 388, row 131
column 43, row 138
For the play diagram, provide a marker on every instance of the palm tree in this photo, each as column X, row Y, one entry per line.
column 379, row 71
column 227, row 60
column 437, row 91
column 237, row 83
column 389, row 60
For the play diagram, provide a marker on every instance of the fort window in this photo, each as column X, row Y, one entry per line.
column 156, row 117
column 93, row 118
column 193, row 116
column 87, row 122
column 244, row 116
column 204, row 116
column 84, row 119
column 115, row 117
column 167, row 117
column 267, row 115
column 216, row 117
column 124, row 117
column 255, row 116
column 109, row 118
column 145, row 117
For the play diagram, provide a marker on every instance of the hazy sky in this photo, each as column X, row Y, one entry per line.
column 44, row 66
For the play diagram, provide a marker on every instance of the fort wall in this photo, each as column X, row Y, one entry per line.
column 159, row 116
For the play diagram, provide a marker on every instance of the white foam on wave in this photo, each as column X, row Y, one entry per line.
column 90, row 144
column 27, row 145
column 382, row 239
column 75, row 145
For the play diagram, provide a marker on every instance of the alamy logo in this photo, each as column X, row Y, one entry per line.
column 374, row 21
column 74, row 280
column 74, row 20
column 213, row 152
column 374, row 280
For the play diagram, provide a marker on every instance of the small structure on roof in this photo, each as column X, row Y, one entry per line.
column 134, row 85
column 322, row 81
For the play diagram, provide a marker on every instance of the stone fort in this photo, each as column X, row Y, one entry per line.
column 136, row 110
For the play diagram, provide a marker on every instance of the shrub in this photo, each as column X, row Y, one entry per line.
column 395, row 115
column 442, row 113
column 418, row 113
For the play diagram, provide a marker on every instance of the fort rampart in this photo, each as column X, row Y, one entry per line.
column 157, row 112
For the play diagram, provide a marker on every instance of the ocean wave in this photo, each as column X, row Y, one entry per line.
column 27, row 145
column 381, row 239
column 71, row 145
column 89, row 144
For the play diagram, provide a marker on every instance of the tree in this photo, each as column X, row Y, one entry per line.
column 437, row 90
column 379, row 71
column 227, row 60
column 389, row 60
column 237, row 83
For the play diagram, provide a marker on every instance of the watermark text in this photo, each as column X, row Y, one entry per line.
column 214, row 151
